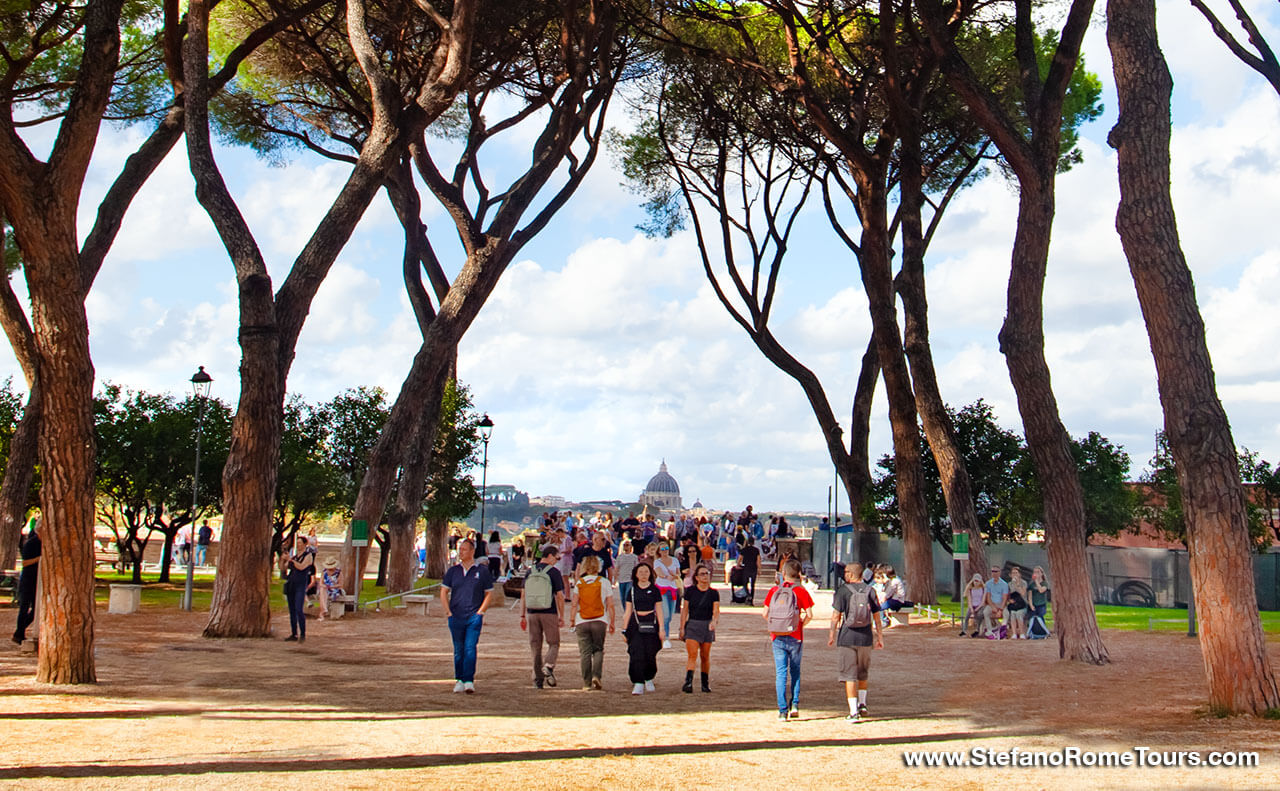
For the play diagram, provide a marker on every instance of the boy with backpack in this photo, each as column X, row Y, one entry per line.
column 787, row 608
column 854, row 621
column 542, row 614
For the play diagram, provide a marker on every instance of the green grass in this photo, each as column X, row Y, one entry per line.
column 1135, row 618
column 169, row 594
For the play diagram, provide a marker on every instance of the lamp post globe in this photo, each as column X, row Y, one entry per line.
column 201, row 385
column 486, row 431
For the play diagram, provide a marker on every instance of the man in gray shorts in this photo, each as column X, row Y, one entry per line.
column 854, row 622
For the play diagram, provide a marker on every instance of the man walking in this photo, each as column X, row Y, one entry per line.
column 465, row 592
column 854, row 621
column 203, row 537
column 542, row 614
column 30, row 553
column 787, row 608
column 750, row 562
column 599, row 547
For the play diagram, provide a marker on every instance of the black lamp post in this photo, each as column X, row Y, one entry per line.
column 201, row 383
column 486, row 431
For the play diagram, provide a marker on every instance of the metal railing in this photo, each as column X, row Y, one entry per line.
column 365, row 604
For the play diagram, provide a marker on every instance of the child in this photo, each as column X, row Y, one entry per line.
column 971, row 601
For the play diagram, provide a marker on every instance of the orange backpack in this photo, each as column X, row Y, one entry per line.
column 591, row 597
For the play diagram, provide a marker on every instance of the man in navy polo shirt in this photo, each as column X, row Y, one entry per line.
column 465, row 592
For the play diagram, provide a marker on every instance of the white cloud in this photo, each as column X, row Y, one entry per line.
column 602, row 352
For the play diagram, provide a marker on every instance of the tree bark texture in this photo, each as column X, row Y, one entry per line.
column 1236, row 664
column 1033, row 155
column 877, row 280
column 957, row 487
column 66, row 453
column 437, row 547
column 270, row 327
column 403, row 519
column 1022, row 343
column 40, row 201
column 418, row 403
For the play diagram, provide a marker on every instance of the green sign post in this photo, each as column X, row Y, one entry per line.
column 359, row 540
column 960, row 546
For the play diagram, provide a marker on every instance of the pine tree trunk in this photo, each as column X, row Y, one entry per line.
column 957, row 487
column 1022, row 342
column 877, row 279
column 1231, row 639
column 413, row 483
column 402, row 556
column 66, row 453
column 418, row 403
column 437, row 547
column 18, row 474
column 241, row 606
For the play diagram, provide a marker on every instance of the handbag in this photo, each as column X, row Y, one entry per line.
column 643, row 627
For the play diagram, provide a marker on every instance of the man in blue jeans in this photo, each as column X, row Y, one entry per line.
column 465, row 592
column 787, row 608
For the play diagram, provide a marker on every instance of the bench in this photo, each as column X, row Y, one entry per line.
column 106, row 557
column 901, row 617
column 338, row 605
column 416, row 603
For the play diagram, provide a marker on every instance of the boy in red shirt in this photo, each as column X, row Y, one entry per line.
column 787, row 608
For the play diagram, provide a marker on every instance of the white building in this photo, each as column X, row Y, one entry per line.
column 662, row 492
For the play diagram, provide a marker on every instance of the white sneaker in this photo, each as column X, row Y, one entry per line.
column 638, row 689
column 648, row 686
column 458, row 686
column 469, row 687
column 666, row 643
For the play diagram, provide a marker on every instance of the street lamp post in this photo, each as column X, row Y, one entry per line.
column 486, row 431
column 201, row 383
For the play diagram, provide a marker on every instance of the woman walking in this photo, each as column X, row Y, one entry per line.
column 622, row 568
column 301, row 567
column 698, row 618
column 645, row 629
column 667, row 570
column 592, row 602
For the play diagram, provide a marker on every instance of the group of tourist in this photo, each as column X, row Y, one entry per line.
column 582, row 575
column 1012, row 609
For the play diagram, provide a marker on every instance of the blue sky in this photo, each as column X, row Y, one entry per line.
column 603, row 352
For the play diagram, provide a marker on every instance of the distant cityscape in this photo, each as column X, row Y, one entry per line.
column 660, row 496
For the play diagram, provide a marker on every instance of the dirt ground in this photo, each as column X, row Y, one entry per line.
column 367, row 702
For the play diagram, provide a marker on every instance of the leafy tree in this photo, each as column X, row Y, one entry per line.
column 355, row 418
column 1266, row 481
column 1007, row 494
column 451, row 492
column 145, row 463
column 309, row 480
column 1165, row 509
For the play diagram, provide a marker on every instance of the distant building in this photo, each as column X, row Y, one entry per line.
column 662, row 492
column 548, row 501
